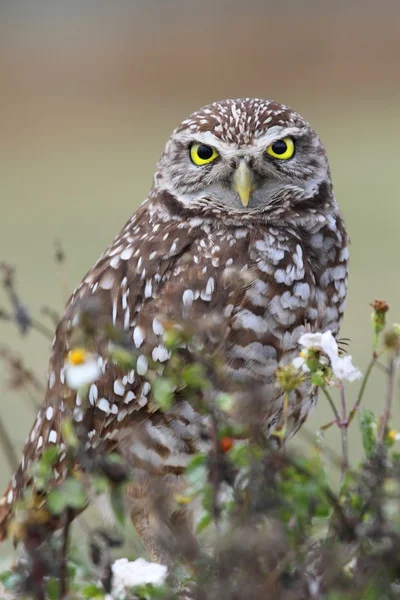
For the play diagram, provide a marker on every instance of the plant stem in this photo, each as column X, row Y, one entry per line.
column 388, row 405
column 363, row 387
column 343, row 427
column 342, row 424
column 6, row 443
column 332, row 405
column 64, row 556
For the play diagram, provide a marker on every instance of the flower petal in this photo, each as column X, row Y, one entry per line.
column 344, row 369
column 78, row 375
column 128, row 574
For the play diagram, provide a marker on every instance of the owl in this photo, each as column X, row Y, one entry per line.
column 241, row 228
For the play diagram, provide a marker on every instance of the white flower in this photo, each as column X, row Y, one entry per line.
column 321, row 341
column 127, row 575
column 81, row 368
column 342, row 367
column 300, row 363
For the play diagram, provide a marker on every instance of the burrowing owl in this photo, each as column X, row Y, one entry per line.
column 243, row 187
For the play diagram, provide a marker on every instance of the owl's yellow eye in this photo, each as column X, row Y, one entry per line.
column 201, row 154
column 282, row 149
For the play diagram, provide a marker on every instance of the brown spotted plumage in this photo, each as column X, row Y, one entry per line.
column 251, row 238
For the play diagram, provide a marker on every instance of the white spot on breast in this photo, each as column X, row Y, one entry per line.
column 93, row 394
column 114, row 310
column 104, row 405
column 284, row 317
column 10, row 497
column 148, row 290
column 141, row 365
column 114, row 409
column 40, row 442
column 49, row 413
column 127, row 318
column 53, row 436
column 245, row 319
column 157, row 327
column 298, row 257
column 138, row 336
column 210, row 285
column 187, row 297
column 127, row 253
column 228, row 310
column 122, row 414
column 78, row 415
column 131, row 376
column 289, row 301
column 107, row 281
column 344, row 254
column 52, row 379
column 142, row 401
column 160, row 353
column 312, row 314
column 114, row 264
column 302, row 290
column 119, row 387
column 129, row 397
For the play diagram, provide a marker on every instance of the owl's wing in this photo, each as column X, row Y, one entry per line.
column 157, row 268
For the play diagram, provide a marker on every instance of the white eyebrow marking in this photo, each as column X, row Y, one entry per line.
column 277, row 132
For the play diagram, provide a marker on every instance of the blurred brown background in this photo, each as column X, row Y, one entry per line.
column 89, row 92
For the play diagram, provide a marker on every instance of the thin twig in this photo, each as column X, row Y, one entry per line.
column 332, row 405
column 6, row 443
column 33, row 323
column 343, row 427
column 362, row 388
column 342, row 424
column 388, row 404
column 215, row 475
column 64, row 555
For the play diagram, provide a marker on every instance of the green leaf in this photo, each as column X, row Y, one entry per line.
column 317, row 378
column 162, row 393
column 69, row 494
column 68, row 432
column 224, row 401
column 50, row 455
column 123, row 357
column 204, row 522
column 194, row 376
column 368, row 427
column 100, row 484
column 11, row 581
column 53, row 589
column 91, row 591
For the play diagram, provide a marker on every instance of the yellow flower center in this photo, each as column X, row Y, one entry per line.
column 392, row 434
column 77, row 356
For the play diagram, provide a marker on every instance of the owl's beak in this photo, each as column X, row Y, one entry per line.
column 243, row 182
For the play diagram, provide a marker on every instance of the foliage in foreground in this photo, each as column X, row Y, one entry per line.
column 272, row 523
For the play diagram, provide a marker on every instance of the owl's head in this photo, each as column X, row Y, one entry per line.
column 244, row 154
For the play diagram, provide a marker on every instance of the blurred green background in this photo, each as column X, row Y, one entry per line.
column 90, row 91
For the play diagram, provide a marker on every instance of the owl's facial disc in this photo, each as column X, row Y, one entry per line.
column 242, row 162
